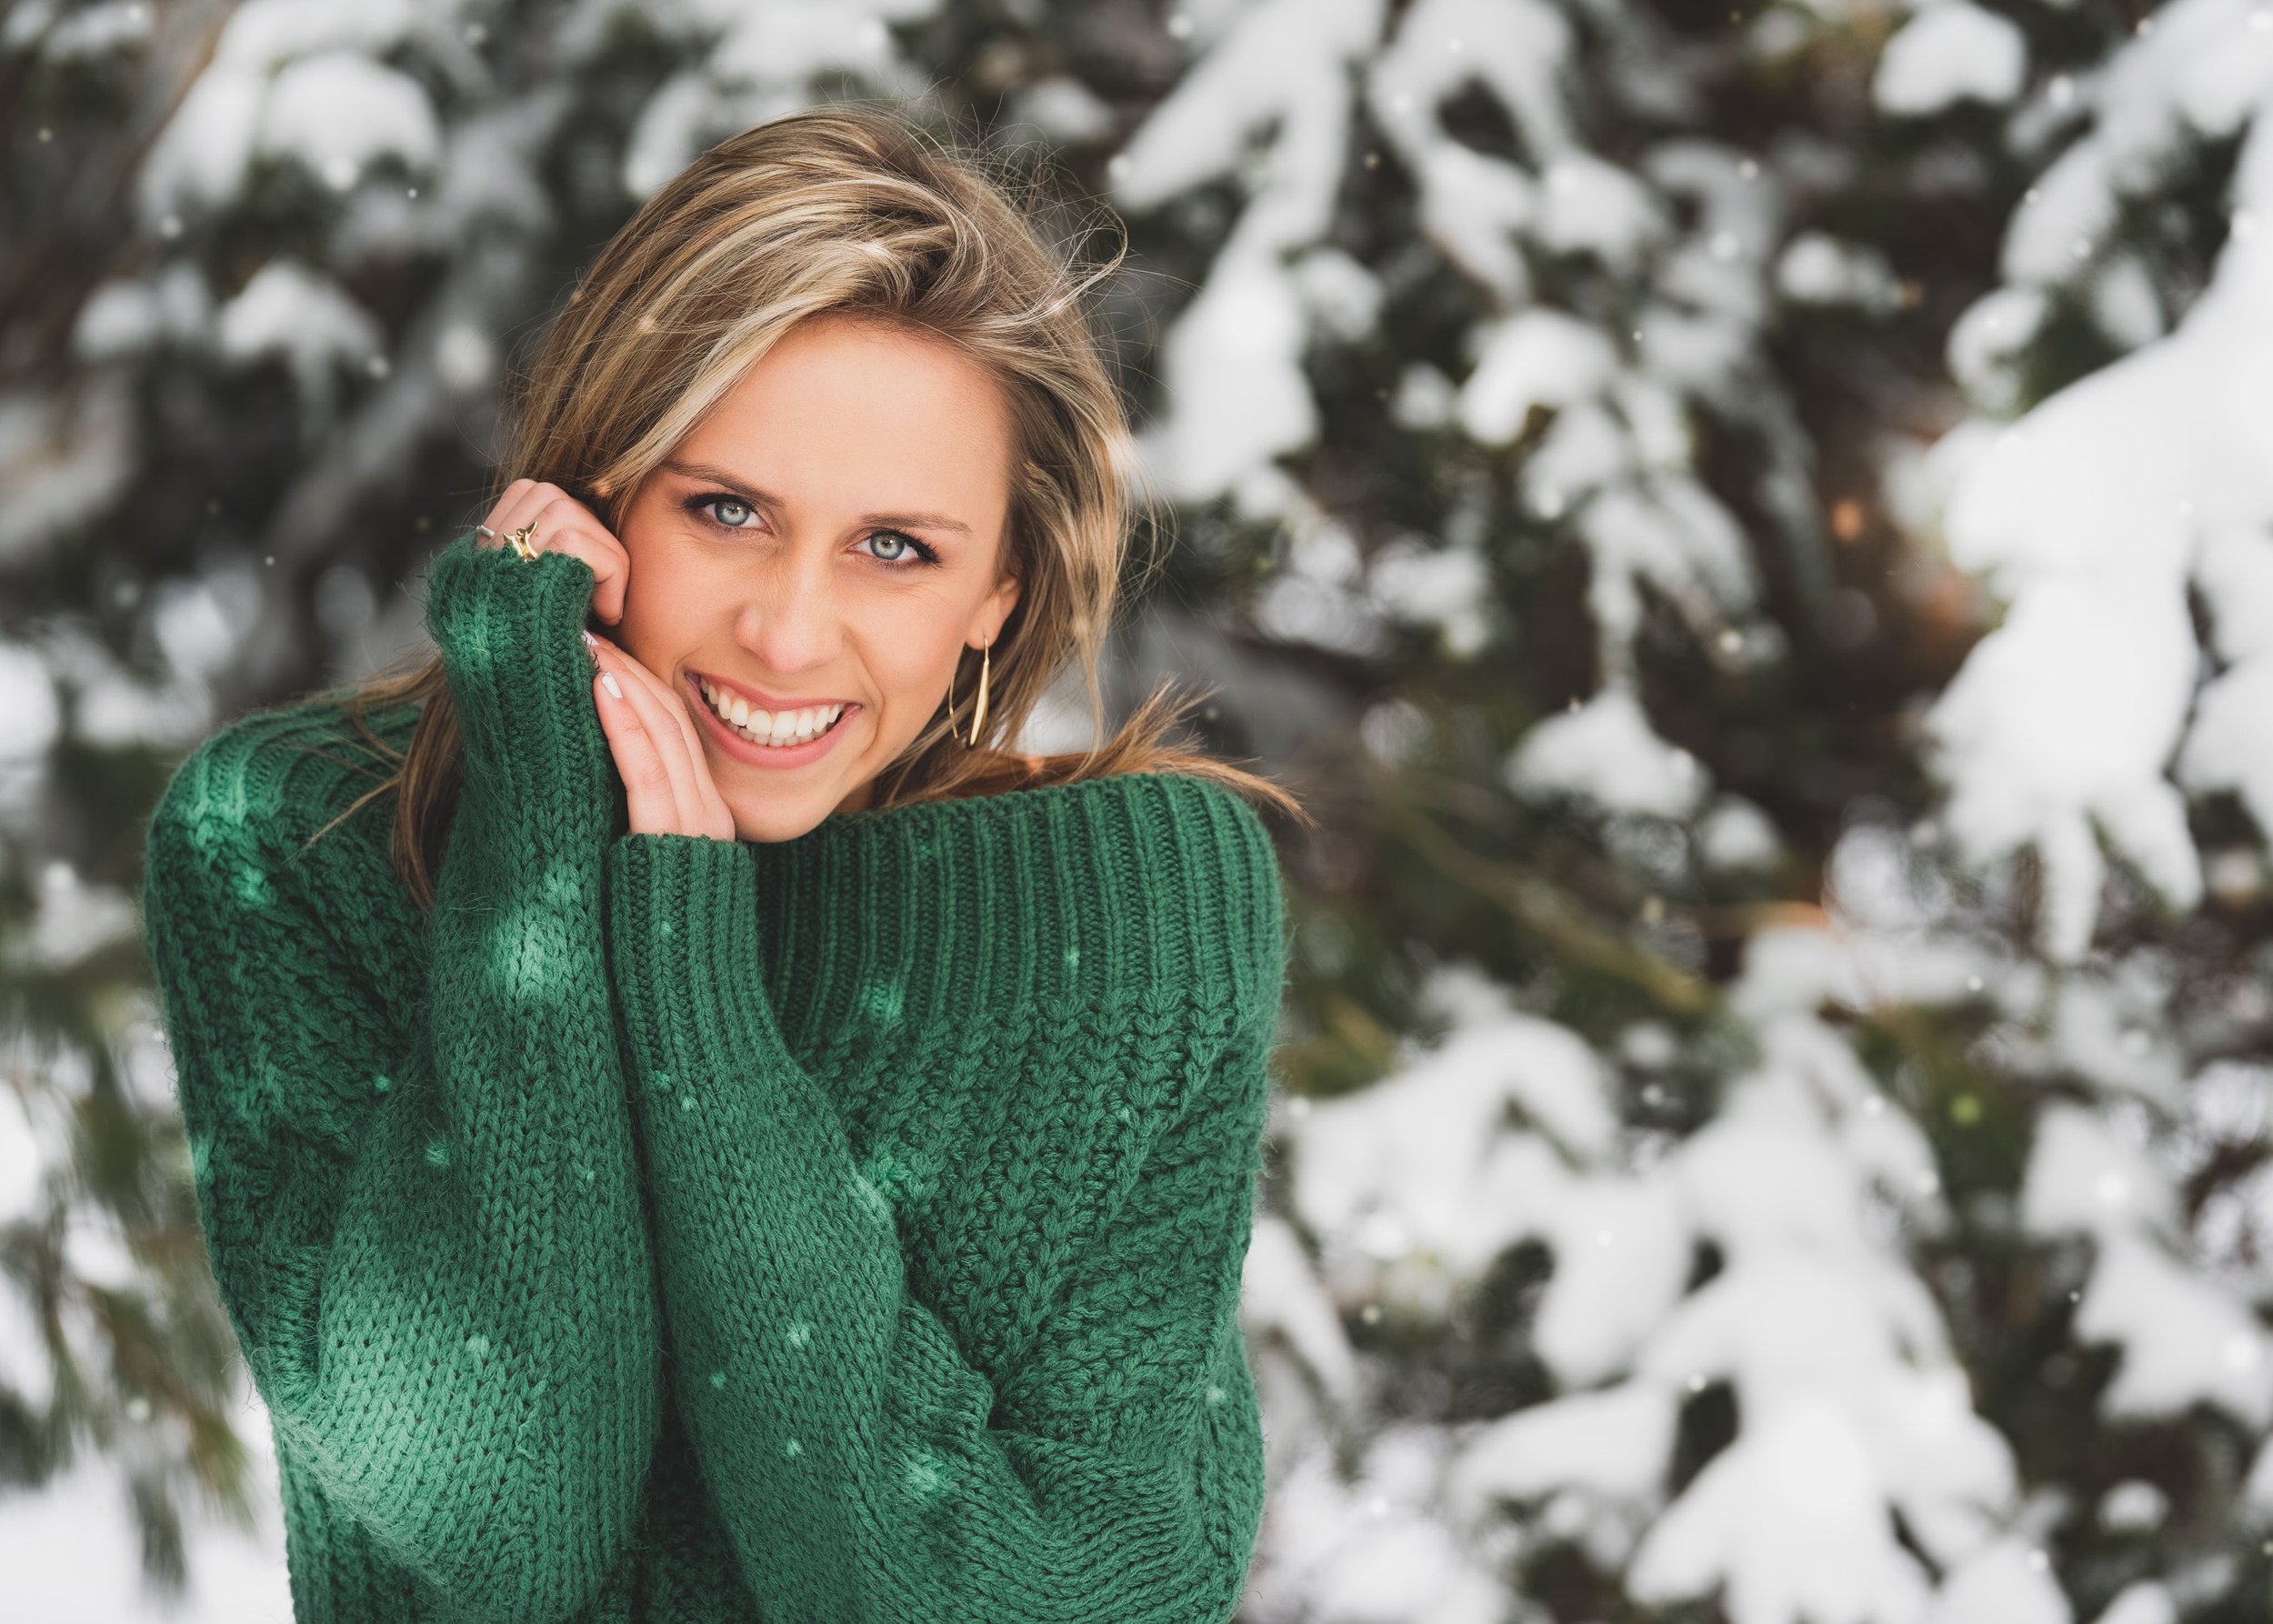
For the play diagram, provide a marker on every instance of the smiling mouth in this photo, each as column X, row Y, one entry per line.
column 776, row 729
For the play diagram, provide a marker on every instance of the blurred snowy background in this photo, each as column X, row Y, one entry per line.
column 1752, row 524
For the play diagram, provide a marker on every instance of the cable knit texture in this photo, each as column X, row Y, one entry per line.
column 840, row 1229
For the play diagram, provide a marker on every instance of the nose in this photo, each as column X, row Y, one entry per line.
column 788, row 618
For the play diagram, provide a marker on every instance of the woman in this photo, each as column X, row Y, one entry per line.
column 659, row 1168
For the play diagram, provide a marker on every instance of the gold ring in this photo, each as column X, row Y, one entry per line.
column 519, row 540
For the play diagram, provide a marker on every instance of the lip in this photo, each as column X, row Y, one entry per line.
column 760, row 697
column 742, row 749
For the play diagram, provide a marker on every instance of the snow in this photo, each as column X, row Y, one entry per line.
column 20, row 1186
column 2081, row 1177
column 2184, row 1339
column 1420, row 1145
column 1372, row 1549
column 1850, row 1406
column 99, row 30
column 2134, row 1506
column 1538, row 358
column 1471, row 208
column 2259, row 1490
column 1736, row 835
column 2108, row 1033
column 1612, row 1444
column 1426, row 399
column 1818, row 269
column 1448, row 588
column 1342, row 298
column 71, row 920
column 1318, row 596
column 1238, row 350
column 125, row 314
column 2056, row 730
column 1986, row 340
column 2124, row 301
column 750, row 63
column 61, row 460
column 2145, row 1601
column 1789, row 1519
column 2061, row 221
column 243, row 104
column 1622, row 1249
column 1949, row 53
column 291, row 311
column 1063, row 108
column 1280, row 1295
column 1665, row 531
column 1605, row 752
column 1232, row 364
column 1270, row 101
column 1592, row 206
column 337, row 111
column 73, row 1553
column 2006, row 1583
column 2099, row 509
column 30, row 716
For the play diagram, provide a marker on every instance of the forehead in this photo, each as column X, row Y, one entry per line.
column 881, row 413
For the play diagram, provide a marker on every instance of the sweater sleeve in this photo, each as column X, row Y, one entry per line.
column 866, row 1471
column 429, row 1236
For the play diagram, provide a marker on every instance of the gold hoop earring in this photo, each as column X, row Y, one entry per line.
column 978, row 708
column 978, row 712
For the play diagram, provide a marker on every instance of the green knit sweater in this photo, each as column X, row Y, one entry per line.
column 845, row 1228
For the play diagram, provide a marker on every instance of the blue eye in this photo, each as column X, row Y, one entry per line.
column 718, row 503
column 902, row 546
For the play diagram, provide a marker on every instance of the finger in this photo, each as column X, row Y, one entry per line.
column 551, row 517
column 676, row 703
column 507, row 514
column 563, row 525
column 601, row 553
column 567, row 525
column 662, row 730
column 709, row 813
column 721, row 824
column 647, row 794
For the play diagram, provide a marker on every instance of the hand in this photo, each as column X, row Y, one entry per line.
column 563, row 525
column 666, row 777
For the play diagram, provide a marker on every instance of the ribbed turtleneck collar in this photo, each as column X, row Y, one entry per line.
column 1131, row 884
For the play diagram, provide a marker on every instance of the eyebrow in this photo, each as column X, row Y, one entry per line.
column 725, row 476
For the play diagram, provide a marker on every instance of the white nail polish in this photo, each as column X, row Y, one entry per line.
column 607, row 681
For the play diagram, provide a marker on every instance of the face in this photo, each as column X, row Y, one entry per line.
column 832, row 535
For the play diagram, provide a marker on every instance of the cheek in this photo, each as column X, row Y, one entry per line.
column 908, row 657
column 663, row 605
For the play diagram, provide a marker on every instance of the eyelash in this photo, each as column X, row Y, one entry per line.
column 925, row 553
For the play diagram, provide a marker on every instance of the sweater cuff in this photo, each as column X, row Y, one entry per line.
column 683, row 931
column 510, row 632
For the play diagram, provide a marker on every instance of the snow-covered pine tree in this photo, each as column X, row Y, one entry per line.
column 1754, row 1173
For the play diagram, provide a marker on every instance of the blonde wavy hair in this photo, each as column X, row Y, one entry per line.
column 856, row 210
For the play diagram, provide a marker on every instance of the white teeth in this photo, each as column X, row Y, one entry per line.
column 766, row 728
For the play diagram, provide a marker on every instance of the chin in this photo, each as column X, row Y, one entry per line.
column 773, row 822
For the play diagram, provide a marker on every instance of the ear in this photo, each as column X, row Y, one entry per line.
column 993, row 610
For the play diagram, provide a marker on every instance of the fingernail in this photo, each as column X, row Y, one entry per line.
column 607, row 681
